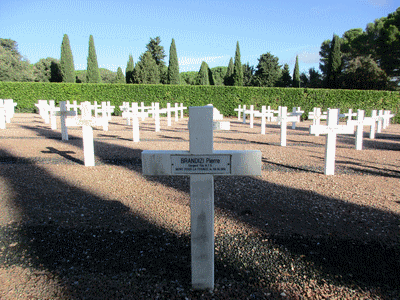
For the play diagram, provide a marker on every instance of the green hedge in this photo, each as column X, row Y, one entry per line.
column 225, row 98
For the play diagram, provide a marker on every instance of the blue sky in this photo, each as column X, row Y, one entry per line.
column 203, row 30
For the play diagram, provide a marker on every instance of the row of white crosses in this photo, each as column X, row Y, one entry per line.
column 7, row 109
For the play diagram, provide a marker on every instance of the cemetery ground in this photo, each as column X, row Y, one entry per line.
column 106, row 232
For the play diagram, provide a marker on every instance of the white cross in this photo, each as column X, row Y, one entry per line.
column 349, row 116
column 264, row 114
column 134, row 114
column 52, row 112
column 86, row 121
column 143, row 110
column 125, row 107
column 43, row 107
column 283, row 119
column 360, row 123
column 296, row 111
column 156, row 111
column 331, row 130
column 251, row 112
column 239, row 110
column 176, row 112
column 9, row 106
column 386, row 118
column 64, row 113
column 316, row 115
column 169, row 110
column 75, row 106
column 182, row 108
column 202, row 162
column 244, row 114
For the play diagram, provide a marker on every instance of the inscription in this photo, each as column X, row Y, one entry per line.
column 201, row 164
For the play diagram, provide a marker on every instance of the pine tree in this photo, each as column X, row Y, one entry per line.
column 173, row 66
column 158, row 54
column 129, row 70
column 334, row 66
column 229, row 73
column 202, row 76
column 238, row 69
column 146, row 70
column 93, row 73
column 296, row 73
column 286, row 79
column 120, row 76
column 67, row 61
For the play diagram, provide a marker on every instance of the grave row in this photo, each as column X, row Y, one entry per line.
column 7, row 110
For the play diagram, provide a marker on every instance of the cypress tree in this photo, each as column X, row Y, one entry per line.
column 93, row 73
column 237, row 69
column 296, row 73
column 202, row 76
column 173, row 66
column 229, row 73
column 286, row 79
column 129, row 70
column 67, row 61
column 334, row 67
column 120, row 76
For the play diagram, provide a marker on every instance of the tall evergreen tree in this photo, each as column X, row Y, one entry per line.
column 67, row 61
column 146, row 70
column 268, row 71
column 286, row 79
column 248, row 72
column 173, row 66
column 203, row 75
column 129, row 70
column 229, row 73
column 120, row 76
column 93, row 73
column 296, row 73
column 158, row 54
column 334, row 66
column 237, row 69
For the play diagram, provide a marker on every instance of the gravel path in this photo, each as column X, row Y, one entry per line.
column 106, row 232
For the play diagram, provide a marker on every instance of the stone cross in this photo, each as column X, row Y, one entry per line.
column 176, row 112
column 264, row 114
column 239, row 110
column 86, row 121
column 64, row 113
column 331, row 130
column 156, row 111
column 74, row 106
column 283, row 119
column 296, row 111
column 360, row 123
column 244, row 114
column 182, row 108
column 134, row 114
column 52, row 112
column 169, row 110
column 350, row 116
column 43, row 107
column 201, row 163
column 251, row 112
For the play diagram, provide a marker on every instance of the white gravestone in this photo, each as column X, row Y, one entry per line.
column 202, row 162
column 43, row 107
column 349, row 116
column 2, row 115
column 74, row 106
column 182, row 108
column 134, row 115
column 86, row 121
column 64, row 113
column 331, row 130
column 386, row 118
column 296, row 111
column 218, row 124
column 283, row 119
column 316, row 115
column 169, row 110
column 52, row 112
column 360, row 123
column 176, row 112
column 264, row 114
column 9, row 107
column 244, row 114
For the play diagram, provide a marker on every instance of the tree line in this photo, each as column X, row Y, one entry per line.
column 360, row 59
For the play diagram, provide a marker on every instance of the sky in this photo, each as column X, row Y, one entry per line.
column 203, row 30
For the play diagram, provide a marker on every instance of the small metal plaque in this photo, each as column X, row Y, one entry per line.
column 201, row 164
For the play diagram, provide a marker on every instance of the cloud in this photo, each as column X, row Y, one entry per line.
column 309, row 57
column 183, row 61
column 379, row 3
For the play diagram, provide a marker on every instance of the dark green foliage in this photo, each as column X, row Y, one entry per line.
column 363, row 73
column 334, row 67
column 296, row 73
column 286, row 79
column 188, row 77
column 203, row 75
column 93, row 73
column 226, row 99
column 237, row 69
column 268, row 71
column 229, row 73
column 67, row 61
column 158, row 54
column 314, row 78
column 173, row 66
column 120, row 78
column 13, row 67
column 146, row 70
column 219, row 75
column 47, row 70
column 248, row 73
column 129, row 70
column 304, row 81
column 107, row 76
